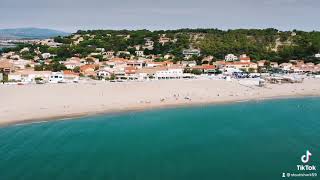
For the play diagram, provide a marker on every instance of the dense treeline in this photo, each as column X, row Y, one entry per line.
column 269, row 44
column 263, row 44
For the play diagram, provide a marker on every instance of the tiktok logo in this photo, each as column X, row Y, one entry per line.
column 306, row 158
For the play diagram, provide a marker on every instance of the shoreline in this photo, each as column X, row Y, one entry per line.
column 119, row 112
column 41, row 103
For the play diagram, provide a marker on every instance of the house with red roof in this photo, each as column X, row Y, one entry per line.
column 245, row 58
column 89, row 69
column 205, row 68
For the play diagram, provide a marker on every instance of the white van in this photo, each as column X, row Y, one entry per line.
column 56, row 77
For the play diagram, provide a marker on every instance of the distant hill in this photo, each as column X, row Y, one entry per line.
column 30, row 33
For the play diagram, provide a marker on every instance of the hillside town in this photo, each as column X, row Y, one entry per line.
column 32, row 65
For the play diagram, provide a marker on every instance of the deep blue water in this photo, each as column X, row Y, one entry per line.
column 250, row 140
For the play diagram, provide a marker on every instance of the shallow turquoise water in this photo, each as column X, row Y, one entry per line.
column 251, row 140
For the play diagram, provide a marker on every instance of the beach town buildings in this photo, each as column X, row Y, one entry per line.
column 73, row 62
column 109, row 55
column 46, row 55
column 104, row 73
column 95, row 54
column 49, row 42
column 159, row 64
column 244, row 64
column 29, row 76
column 306, row 68
column 169, row 73
column 139, row 53
column 188, row 53
column 230, row 57
column 78, row 40
column 244, row 58
column 274, row 65
column 7, row 55
column 285, row 66
column 89, row 69
column 148, row 44
column 188, row 63
column 207, row 60
column 26, row 49
column 262, row 63
column 6, row 66
column 136, row 63
column 15, row 57
column 168, row 56
column 102, row 50
column 139, row 66
column 123, row 53
column 164, row 40
column 158, row 73
column 154, row 64
column 206, row 68
column 91, row 60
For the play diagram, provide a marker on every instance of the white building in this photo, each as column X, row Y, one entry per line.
column 29, row 76
column 110, row 53
column 245, row 58
column 148, row 44
column 168, row 56
column 285, row 66
column 317, row 55
column 169, row 74
column 136, row 63
column 231, row 70
column 26, row 49
column 188, row 53
column 73, row 62
column 104, row 73
column 123, row 52
column 274, row 64
column 188, row 63
column 154, row 64
column 163, row 40
column 100, row 49
column 71, row 65
column 139, row 53
column 95, row 54
column 230, row 57
column 46, row 55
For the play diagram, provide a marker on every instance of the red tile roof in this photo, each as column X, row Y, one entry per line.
column 88, row 66
column 205, row 67
column 68, row 72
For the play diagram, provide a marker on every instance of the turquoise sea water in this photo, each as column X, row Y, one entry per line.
column 250, row 140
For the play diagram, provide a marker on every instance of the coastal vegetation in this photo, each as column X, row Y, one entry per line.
column 270, row 44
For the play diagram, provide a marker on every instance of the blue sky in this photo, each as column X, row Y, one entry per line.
column 71, row 15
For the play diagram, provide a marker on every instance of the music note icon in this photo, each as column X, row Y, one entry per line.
column 306, row 158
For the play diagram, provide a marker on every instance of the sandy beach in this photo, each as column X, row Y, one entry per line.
column 21, row 104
